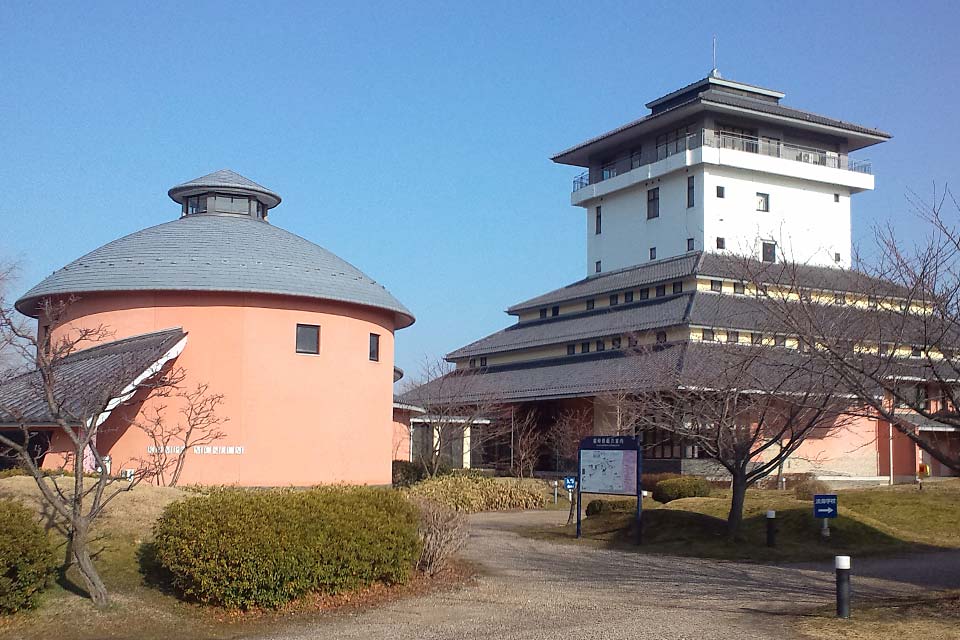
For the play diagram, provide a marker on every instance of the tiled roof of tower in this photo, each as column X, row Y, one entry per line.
column 99, row 372
column 703, row 99
column 222, row 179
column 614, row 321
column 216, row 253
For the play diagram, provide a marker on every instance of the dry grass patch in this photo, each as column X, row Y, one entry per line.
column 930, row 617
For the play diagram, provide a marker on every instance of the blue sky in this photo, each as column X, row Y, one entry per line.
column 412, row 139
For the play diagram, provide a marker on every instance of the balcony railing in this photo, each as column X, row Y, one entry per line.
column 738, row 142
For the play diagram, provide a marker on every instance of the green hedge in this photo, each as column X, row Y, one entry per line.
column 685, row 487
column 27, row 558
column 624, row 505
column 473, row 493
column 242, row 549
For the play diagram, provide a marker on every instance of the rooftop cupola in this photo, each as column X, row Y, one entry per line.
column 224, row 192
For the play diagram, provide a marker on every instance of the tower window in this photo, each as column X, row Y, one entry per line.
column 644, row 294
column 733, row 336
column 627, row 297
column 738, row 287
column 196, row 204
column 597, row 267
column 590, row 304
column 614, row 299
column 678, row 287
column 597, row 224
column 661, row 337
column 653, row 253
column 756, row 338
column 779, row 341
column 543, row 313
column 689, row 244
column 872, row 302
column 601, row 346
column 716, row 285
column 763, row 201
column 836, row 257
column 615, row 343
column 571, row 349
column 375, row 347
column 473, row 362
column 690, row 191
column 636, row 158
column 839, row 298
column 708, row 335
column 584, row 347
column 555, row 311
column 308, row 338
column 661, row 290
column 721, row 243
column 720, row 192
column 916, row 352
column 653, row 203
column 483, row 361
column 769, row 252
column 836, row 197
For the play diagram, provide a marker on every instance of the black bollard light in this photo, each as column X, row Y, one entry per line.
column 842, row 564
column 771, row 528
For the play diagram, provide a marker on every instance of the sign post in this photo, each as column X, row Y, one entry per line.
column 825, row 507
column 610, row 465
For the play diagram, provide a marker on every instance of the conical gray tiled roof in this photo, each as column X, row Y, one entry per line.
column 231, row 253
column 226, row 179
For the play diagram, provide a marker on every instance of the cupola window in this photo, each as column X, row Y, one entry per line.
column 196, row 204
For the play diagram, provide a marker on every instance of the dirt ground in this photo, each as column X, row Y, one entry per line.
column 530, row 589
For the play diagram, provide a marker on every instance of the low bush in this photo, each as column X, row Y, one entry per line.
column 407, row 473
column 649, row 480
column 808, row 486
column 684, row 487
column 470, row 494
column 27, row 558
column 13, row 472
column 443, row 532
column 625, row 505
column 242, row 549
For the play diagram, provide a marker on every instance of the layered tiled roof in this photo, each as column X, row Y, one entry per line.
column 223, row 179
column 612, row 321
column 216, row 253
column 84, row 380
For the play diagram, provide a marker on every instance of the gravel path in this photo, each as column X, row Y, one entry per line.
column 533, row 590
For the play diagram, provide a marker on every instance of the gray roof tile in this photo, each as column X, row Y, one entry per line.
column 216, row 253
column 222, row 179
column 84, row 377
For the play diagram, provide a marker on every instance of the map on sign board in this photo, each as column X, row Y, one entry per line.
column 606, row 471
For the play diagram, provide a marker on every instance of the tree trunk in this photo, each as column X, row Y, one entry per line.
column 735, row 517
column 88, row 571
column 574, row 505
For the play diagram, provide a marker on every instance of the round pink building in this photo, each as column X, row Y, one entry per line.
column 299, row 342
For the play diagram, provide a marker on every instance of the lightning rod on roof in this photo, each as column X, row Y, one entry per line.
column 714, row 72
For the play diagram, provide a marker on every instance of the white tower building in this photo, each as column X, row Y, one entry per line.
column 721, row 166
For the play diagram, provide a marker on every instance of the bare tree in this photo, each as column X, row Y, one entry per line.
column 747, row 408
column 75, row 408
column 458, row 416
column 564, row 436
column 199, row 425
column 891, row 337
column 520, row 426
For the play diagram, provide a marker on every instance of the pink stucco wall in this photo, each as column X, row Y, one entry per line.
column 301, row 419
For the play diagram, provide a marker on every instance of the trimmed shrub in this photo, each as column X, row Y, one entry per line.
column 470, row 494
column 407, row 473
column 807, row 487
column 685, row 487
column 27, row 558
column 443, row 532
column 649, row 480
column 13, row 472
column 242, row 549
column 626, row 505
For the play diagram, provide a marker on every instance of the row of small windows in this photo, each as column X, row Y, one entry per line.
column 780, row 340
column 644, row 294
column 615, row 343
column 473, row 362
column 224, row 203
column 308, row 341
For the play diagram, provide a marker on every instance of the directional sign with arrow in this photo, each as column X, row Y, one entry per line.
column 825, row 505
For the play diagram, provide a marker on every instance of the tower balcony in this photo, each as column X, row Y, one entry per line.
column 733, row 150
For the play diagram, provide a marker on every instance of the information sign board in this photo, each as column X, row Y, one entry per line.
column 610, row 465
column 570, row 483
column 825, row 505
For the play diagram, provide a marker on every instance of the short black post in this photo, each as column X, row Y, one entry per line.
column 771, row 528
column 842, row 564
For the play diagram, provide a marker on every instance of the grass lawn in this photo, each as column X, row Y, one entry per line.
column 929, row 617
column 876, row 520
column 138, row 610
